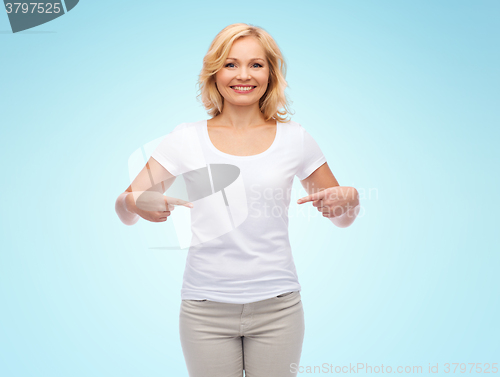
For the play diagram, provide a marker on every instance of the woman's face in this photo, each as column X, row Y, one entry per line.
column 243, row 79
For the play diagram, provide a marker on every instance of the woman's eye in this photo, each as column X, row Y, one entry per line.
column 255, row 64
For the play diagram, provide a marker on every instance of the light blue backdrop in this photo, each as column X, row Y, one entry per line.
column 402, row 97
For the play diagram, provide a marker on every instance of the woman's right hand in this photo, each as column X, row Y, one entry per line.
column 152, row 205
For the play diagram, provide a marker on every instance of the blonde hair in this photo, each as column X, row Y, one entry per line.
column 273, row 99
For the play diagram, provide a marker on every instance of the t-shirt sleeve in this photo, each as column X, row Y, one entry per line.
column 312, row 156
column 168, row 153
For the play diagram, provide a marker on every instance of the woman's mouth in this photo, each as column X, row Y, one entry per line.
column 243, row 89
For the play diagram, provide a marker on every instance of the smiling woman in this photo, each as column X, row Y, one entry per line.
column 241, row 305
column 243, row 81
column 244, row 55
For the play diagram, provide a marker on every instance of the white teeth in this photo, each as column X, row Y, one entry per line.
column 242, row 88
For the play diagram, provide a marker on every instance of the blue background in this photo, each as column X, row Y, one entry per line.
column 402, row 97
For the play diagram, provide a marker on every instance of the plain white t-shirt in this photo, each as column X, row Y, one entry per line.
column 240, row 250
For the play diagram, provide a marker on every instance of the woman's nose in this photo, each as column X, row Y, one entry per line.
column 243, row 74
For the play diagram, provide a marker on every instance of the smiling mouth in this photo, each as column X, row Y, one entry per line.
column 243, row 88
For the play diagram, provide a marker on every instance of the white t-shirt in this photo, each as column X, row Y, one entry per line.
column 240, row 250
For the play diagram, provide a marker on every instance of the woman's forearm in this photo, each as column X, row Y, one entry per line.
column 126, row 217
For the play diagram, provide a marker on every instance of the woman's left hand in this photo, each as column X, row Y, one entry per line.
column 333, row 201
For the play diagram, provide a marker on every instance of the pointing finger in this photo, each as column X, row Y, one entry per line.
column 179, row 202
column 309, row 198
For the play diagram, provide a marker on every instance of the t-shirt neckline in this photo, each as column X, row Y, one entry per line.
column 267, row 151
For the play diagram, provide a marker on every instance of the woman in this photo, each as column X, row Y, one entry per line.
column 241, row 307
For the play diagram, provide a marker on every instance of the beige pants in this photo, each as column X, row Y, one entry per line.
column 263, row 337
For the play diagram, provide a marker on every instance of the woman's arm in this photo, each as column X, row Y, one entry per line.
column 339, row 203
